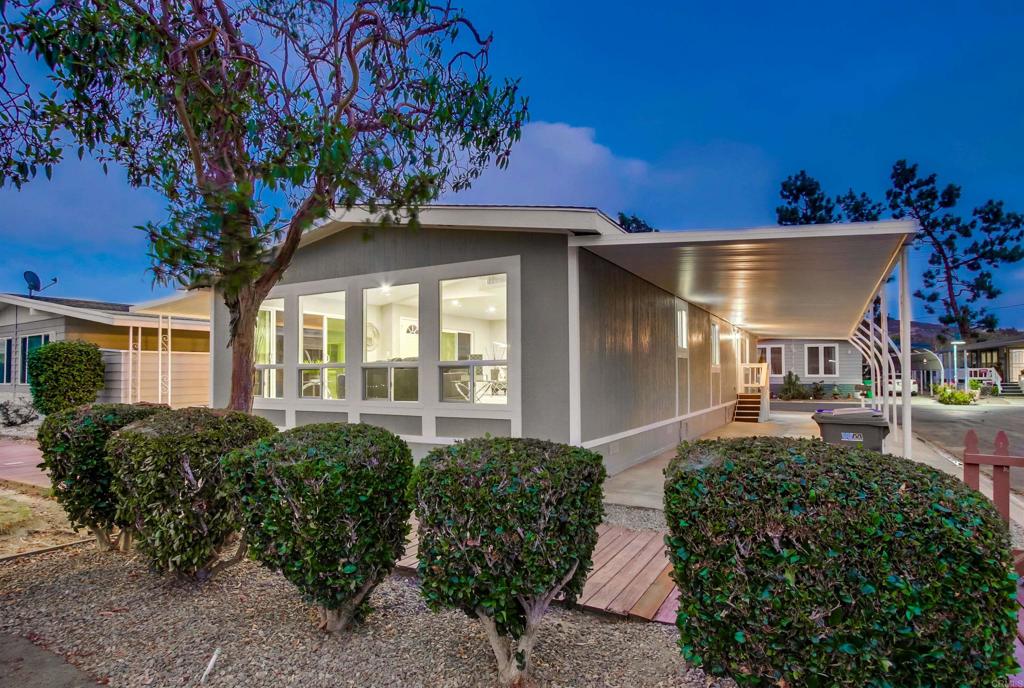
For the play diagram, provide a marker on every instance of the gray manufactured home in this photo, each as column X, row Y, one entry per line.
column 544, row 322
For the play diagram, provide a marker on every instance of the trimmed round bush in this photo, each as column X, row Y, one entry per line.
column 73, row 444
column 505, row 526
column 170, row 485
column 63, row 375
column 805, row 564
column 327, row 506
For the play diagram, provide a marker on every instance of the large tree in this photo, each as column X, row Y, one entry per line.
column 962, row 251
column 806, row 203
column 255, row 118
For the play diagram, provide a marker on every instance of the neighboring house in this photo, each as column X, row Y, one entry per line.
column 147, row 356
column 1004, row 354
column 544, row 322
column 835, row 363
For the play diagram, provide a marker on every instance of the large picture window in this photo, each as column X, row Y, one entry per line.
column 268, row 380
column 6, row 346
column 474, row 334
column 391, row 341
column 322, row 346
column 821, row 360
column 28, row 345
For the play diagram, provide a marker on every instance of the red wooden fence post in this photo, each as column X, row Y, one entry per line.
column 971, row 475
column 1001, row 478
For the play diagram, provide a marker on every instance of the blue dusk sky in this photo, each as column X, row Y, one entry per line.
column 689, row 114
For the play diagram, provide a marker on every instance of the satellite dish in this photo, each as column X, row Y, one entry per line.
column 32, row 279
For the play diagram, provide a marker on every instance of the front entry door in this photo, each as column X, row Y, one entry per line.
column 1016, row 363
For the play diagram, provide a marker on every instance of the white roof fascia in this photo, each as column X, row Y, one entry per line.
column 103, row 317
column 786, row 232
column 572, row 221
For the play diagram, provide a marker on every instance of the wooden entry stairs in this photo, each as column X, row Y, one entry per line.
column 748, row 408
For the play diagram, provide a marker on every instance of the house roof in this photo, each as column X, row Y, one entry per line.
column 104, row 312
column 84, row 303
column 572, row 220
column 806, row 282
column 985, row 345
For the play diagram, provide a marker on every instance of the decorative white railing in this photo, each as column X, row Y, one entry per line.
column 754, row 380
column 986, row 375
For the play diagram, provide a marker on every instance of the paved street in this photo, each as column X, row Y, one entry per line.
column 18, row 463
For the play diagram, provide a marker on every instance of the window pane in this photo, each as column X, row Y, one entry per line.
column 4, row 358
column 334, row 383
column 406, row 384
column 375, row 383
column 391, row 323
column 776, row 362
column 309, row 384
column 681, row 329
column 456, row 384
column 474, row 312
column 322, row 339
column 269, row 348
column 491, row 385
column 715, row 344
column 268, row 383
column 830, row 360
column 813, row 360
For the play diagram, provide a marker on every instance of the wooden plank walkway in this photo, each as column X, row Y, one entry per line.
column 629, row 578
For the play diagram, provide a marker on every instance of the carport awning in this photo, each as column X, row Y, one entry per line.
column 812, row 282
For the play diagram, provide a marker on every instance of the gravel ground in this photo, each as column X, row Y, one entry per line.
column 118, row 622
column 634, row 517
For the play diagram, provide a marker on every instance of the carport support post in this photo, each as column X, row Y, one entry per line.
column 887, row 373
column 905, row 316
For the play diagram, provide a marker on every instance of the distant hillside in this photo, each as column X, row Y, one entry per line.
column 938, row 335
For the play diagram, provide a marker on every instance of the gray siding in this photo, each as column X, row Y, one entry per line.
column 849, row 362
column 627, row 349
column 628, row 361
column 28, row 325
column 190, row 378
column 472, row 427
column 544, row 277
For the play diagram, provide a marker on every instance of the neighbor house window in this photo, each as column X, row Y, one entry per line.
column 716, row 345
column 391, row 342
column 772, row 355
column 268, row 375
column 28, row 345
column 821, row 360
column 681, row 333
column 6, row 357
column 474, row 334
column 322, row 346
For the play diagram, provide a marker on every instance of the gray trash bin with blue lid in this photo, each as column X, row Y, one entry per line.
column 853, row 428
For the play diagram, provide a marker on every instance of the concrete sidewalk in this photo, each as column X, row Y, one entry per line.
column 24, row 665
column 642, row 485
column 19, row 460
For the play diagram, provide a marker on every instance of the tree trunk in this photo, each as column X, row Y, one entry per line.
column 244, row 310
column 102, row 536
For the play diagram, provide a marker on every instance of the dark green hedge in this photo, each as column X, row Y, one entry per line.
column 327, row 506
column 501, row 518
column 170, row 487
column 804, row 564
column 63, row 375
column 73, row 444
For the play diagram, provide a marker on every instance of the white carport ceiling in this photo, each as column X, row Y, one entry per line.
column 807, row 282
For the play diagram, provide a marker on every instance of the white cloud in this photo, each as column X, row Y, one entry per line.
column 720, row 183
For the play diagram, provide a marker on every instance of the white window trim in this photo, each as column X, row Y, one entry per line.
column 3, row 368
column 20, row 372
column 682, row 327
column 768, row 357
column 715, row 340
column 272, row 345
column 821, row 359
column 429, row 406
